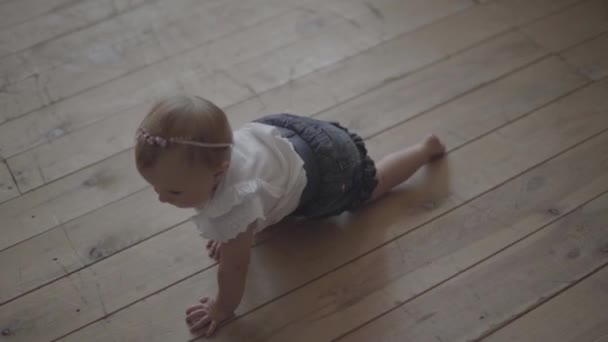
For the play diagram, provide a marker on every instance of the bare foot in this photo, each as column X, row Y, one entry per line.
column 434, row 147
column 213, row 247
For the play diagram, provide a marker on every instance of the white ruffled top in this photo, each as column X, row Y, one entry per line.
column 262, row 185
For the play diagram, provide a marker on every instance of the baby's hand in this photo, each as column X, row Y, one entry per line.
column 206, row 315
column 213, row 247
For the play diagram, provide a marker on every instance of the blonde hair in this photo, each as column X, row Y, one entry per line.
column 189, row 118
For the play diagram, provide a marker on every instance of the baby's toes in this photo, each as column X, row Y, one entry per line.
column 434, row 146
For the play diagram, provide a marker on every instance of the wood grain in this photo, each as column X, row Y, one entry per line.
column 132, row 178
column 567, row 28
column 205, row 72
column 577, row 314
column 467, row 306
column 8, row 188
column 590, row 58
column 15, row 12
column 47, row 73
column 126, row 221
column 290, row 261
column 522, row 12
column 73, row 17
column 477, row 66
column 35, row 212
column 504, row 239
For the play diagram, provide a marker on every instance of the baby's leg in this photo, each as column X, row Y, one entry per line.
column 397, row 167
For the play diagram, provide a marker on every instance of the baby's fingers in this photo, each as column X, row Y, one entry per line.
column 194, row 308
column 212, row 328
column 195, row 316
column 200, row 324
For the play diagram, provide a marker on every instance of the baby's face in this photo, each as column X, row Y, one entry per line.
column 179, row 183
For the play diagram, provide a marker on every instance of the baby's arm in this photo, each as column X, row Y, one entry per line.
column 232, row 273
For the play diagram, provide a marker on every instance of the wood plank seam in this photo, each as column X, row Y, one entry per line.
column 582, row 42
column 258, row 94
column 134, row 70
column 254, row 93
column 548, row 14
column 453, row 209
column 547, row 160
column 12, row 177
column 115, row 13
column 194, row 274
column 541, row 302
column 562, row 58
column 557, row 218
column 315, row 114
column 41, row 172
column 468, row 92
column 566, row 94
column 198, row 45
column 72, row 219
column 258, row 241
column 51, row 10
column 556, row 99
column 327, row 109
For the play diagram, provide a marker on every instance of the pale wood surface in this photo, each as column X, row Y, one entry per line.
column 326, row 302
column 590, row 58
column 521, row 12
column 476, row 301
column 251, row 77
column 72, row 17
column 516, row 89
column 14, row 12
column 8, row 188
column 577, row 314
column 134, row 181
column 566, row 29
column 457, row 123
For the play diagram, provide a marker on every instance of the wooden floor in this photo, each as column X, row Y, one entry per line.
column 506, row 239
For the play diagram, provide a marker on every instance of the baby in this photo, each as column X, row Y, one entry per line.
column 244, row 181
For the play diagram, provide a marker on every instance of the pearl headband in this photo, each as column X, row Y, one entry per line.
column 143, row 135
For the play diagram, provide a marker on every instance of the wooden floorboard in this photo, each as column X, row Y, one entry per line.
column 128, row 180
column 61, row 68
column 507, row 229
column 565, row 29
column 68, row 154
column 522, row 12
column 528, row 51
column 38, row 211
column 119, row 224
column 441, row 73
column 14, row 12
column 73, row 17
column 198, row 63
column 577, row 314
column 291, row 260
column 8, row 188
column 590, row 58
column 467, row 306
